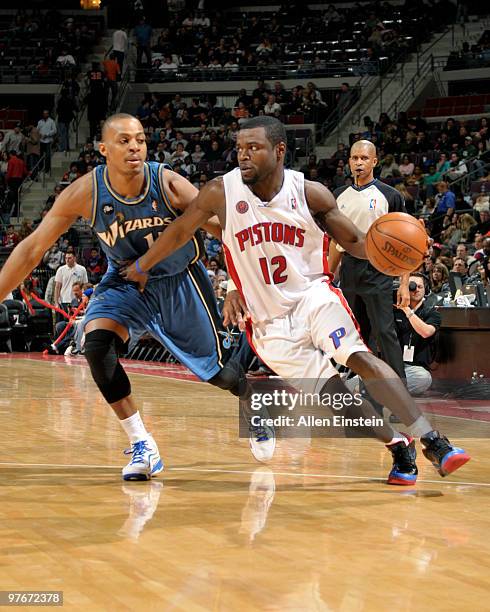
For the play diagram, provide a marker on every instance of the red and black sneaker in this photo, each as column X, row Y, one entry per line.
column 404, row 471
column 444, row 457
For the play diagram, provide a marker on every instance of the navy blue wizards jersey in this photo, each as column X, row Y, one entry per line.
column 127, row 228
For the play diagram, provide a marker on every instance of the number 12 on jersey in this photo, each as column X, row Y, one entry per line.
column 279, row 263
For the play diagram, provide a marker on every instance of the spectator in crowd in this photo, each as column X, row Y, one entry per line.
column 340, row 153
column 53, row 258
column 14, row 141
column 460, row 267
column 213, row 265
column 11, row 238
column 142, row 34
column 438, row 277
column 198, row 154
column 112, row 71
column 457, row 168
column 168, row 65
column 65, row 59
column 119, row 46
column 387, row 166
column 179, row 154
column 65, row 114
column 26, row 228
column 66, row 275
column 485, row 251
column 78, row 304
column 406, row 167
column 33, row 149
column 484, row 272
column 344, row 97
column 16, row 173
column 445, row 205
column 443, row 164
column 416, row 326
column 407, row 196
column 96, row 99
column 47, row 131
column 72, row 174
column 462, row 251
column 272, row 107
column 477, row 245
column 482, row 227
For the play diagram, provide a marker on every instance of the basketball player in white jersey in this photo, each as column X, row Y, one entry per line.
column 276, row 256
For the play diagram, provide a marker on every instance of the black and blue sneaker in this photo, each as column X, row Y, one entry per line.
column 404, row 471
column 445, row 457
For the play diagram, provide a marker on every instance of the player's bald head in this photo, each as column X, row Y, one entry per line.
column 365, row 145
column 121, row 122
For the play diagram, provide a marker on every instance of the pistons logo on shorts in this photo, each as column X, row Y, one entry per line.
column 242, row 207
column 336, row 336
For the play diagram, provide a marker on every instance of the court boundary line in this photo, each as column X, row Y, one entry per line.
column 250, row 472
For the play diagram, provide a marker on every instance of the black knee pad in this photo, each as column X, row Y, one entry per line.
column 231, row 378
column 102, row 347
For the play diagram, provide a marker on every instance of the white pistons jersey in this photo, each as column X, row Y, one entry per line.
column 274, row 250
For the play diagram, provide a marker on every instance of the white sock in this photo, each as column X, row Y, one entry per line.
column 134, row 428
column 396, row 439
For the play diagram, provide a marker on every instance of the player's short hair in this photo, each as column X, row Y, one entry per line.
column 116, row 117
column 274, row 129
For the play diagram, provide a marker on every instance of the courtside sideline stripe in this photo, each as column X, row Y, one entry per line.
column 222, row 471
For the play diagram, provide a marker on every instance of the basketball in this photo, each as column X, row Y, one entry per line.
column 396, row 244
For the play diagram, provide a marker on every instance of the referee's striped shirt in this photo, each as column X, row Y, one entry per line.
column 363, row 205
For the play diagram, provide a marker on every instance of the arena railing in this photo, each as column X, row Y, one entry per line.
column 425, row 64
column 464, row 182
column 123, row 85
column 288, row 70
column 409, row 90
column 377, row 88
column 27, row 183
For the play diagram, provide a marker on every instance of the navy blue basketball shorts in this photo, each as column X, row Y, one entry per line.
column 179, row 311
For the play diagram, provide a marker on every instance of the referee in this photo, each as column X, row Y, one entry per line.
column 369, row 292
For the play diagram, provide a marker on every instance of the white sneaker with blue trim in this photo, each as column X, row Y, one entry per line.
column 145, row 460
column 262, row 440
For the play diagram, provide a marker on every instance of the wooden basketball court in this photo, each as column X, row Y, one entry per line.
column 316, row 529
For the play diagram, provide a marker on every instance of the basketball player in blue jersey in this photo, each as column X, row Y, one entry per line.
column 129, row 203
column 302, row 323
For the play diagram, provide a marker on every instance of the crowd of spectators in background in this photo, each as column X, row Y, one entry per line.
column 307, row 39
column 476, row 55
column 43, row 43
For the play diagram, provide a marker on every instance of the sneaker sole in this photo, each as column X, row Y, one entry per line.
column 136, row 476
column 453, row 463
column 140, row 476
column 400, row 481
column 262, row 459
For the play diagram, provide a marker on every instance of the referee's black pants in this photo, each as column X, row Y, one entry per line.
column 370, row 297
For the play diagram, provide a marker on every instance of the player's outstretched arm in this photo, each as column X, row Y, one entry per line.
column 209, row 202
column 323, row 205
column 183, row 193
column 75, row 201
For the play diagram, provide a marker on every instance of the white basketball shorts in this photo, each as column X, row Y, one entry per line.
column 301, row 344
